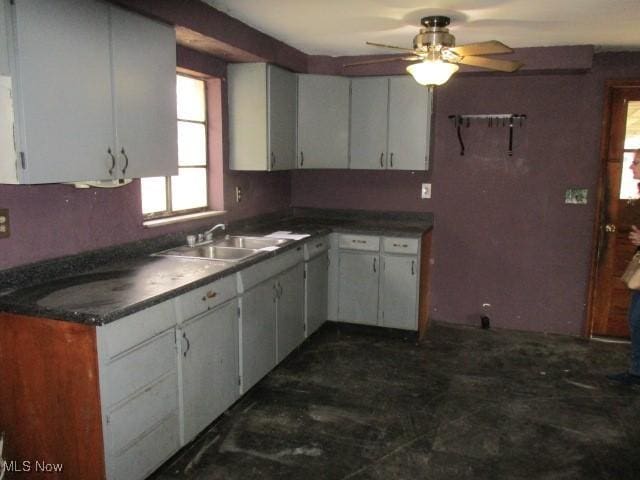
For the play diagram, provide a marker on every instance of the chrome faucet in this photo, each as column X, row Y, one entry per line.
column 215, row 227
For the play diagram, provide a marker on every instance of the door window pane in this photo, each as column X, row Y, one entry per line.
column 629, row 185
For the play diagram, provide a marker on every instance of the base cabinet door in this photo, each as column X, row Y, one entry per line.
column 399, row 292
column 257, row 333
column 290, row 323
column 209, row 357
column 358, row 287
column 317, row 280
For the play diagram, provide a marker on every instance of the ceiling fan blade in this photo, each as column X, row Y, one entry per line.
column 492, row 47
column 382, row 60
column 390, row 46
column 491, row 63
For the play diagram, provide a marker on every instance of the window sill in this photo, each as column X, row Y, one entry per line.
column 161, row 222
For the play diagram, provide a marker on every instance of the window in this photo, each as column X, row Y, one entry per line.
column 628, row 185
column 186, row 192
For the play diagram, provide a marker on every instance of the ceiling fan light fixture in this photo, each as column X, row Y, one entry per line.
column 432, row 72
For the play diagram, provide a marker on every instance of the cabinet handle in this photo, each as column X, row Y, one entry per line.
column 358, row 241
column 273, row 159
column 126, row 161
column 184, row 335
column 403, row 245
column 301, row 158
column 211, row 294
column 275, row 292
column 280, row 290
column 318, row 245
column 413, row 264
column 381, row 162
column 391, row 159
column 374, row 264
column 113, row 161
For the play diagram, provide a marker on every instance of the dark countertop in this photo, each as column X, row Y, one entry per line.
column 98, row 288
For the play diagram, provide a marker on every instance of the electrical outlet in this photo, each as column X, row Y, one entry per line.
column 426, row 190
column 4, row 223
column 238, row 194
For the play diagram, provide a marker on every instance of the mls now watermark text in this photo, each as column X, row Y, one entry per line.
column 32, row 466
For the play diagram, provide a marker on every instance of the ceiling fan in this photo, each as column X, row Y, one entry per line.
column 435, row 47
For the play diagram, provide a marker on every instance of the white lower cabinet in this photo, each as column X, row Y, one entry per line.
column 271, row 314
column 139, row 392
column 258, row 333
column 377, row 280
column 399, row 292
column 209, row 367
column 316, row 269
column 290, row 311
column 359, row 274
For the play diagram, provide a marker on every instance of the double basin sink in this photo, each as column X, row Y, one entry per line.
column 231, row 248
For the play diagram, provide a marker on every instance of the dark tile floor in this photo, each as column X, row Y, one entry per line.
column 468, row 403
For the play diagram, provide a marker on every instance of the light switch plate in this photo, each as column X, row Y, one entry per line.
column 425, row 192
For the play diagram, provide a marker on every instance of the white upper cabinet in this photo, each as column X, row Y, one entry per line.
column 262, row 117
column 369, row 104
column 409, row 124
column 390, row 124
column 323, row 121
column 144, row 84
column 88, row 80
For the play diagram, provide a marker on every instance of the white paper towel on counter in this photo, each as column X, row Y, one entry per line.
column 287, row 235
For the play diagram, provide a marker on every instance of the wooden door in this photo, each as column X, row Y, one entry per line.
column 619, row 207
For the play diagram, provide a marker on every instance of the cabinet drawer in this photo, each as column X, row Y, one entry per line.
column 258, row 273
column 400, row 245
column 205, row 298
column 123, row 334
column 315, row 247
column 131, row 420
column 137, row 368
column 147, row 454
column 360, row 242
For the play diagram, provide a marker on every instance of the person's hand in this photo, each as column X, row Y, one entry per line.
column 634, row 235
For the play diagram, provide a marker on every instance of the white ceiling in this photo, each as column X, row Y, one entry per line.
column 341, row 27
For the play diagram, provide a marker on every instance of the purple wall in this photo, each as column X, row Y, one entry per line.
column 503, row 234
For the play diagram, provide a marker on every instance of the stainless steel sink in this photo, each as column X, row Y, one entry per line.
column 250, row 242
column 210, row 252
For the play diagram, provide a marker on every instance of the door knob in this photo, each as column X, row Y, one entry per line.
column 610, row 227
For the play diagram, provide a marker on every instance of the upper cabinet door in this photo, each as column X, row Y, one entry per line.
column 63, row 87
column 409, row 124
column 282, row 92
column 144, row 83
column 369, row 101
column 323, row 121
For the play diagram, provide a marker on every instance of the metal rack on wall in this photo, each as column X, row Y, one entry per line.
column 491, row 120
